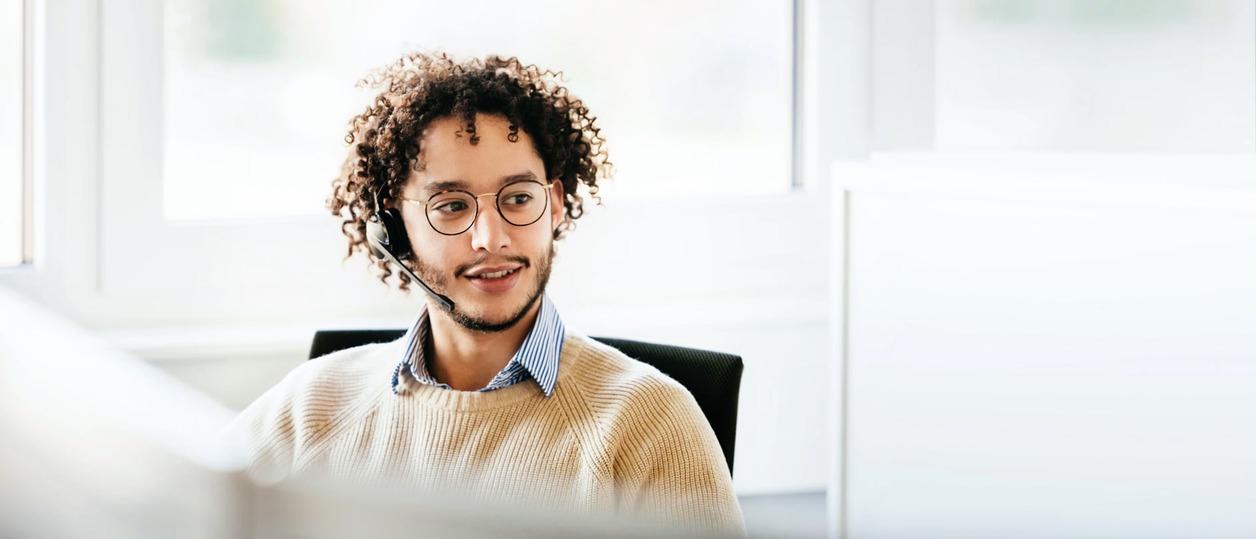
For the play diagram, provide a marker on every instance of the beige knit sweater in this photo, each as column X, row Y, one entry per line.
column 617, row 436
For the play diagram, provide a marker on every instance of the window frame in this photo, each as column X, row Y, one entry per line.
column 141, row 270
column 25, row 157
column 28, row 130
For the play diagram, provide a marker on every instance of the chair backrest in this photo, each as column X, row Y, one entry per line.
column 713, row 378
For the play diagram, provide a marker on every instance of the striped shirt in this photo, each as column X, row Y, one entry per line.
column 537, row 357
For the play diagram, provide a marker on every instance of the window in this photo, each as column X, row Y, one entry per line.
column 12, row 128
column 696, row 96
column 1108, row 76
column 229, row 232
column 1066, row 76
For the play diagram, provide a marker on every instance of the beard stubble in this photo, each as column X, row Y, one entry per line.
column 440, row 284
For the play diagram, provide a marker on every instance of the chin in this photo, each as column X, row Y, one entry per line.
column 496, row 318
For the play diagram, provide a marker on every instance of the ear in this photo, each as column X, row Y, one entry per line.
column 556, row 203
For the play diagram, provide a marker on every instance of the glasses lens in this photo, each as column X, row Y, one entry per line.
column 451, row 212
column 522, row 203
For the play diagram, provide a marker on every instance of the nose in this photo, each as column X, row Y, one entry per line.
column 489, row 232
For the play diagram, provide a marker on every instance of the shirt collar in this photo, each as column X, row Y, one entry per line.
column 537, row 357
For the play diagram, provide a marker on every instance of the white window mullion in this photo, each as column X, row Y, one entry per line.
column 63, row 143
column 134, row 234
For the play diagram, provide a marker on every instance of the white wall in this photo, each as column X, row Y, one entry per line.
column 1052, row 355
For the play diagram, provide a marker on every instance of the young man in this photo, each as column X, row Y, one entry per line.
column 465, row 174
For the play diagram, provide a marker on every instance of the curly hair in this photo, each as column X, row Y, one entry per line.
column 420, row 88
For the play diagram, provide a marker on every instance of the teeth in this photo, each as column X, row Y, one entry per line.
column 495, row 274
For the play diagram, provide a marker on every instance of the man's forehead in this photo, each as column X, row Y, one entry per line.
column 449, row 129
column 449, row 133
column 434, row 185
column 448, row 160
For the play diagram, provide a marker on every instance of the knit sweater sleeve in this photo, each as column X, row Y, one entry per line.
column 296, row 417
column 669, row 465
column 267, row 430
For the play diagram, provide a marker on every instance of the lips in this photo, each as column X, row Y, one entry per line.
column 493, row 272
column 495, row 280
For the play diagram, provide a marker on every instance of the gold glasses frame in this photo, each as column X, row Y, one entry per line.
column 496, row 204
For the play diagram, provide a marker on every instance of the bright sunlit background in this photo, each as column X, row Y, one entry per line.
column 987, row 261
column 1118, row 77
column 258, row 94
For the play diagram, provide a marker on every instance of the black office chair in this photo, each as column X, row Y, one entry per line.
column 714, row 378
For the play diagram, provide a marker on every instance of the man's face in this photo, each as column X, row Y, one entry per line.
column 468, row 267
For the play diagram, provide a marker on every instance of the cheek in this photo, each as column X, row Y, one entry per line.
column 438, row 250
column 430, row 245
column 538, row 241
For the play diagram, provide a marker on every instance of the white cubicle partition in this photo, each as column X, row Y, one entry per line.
column 96, row 443
column 1047, row 356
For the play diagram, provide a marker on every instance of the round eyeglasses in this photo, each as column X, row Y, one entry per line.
column 453, row 212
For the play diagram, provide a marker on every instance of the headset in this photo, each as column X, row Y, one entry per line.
column 387, row 238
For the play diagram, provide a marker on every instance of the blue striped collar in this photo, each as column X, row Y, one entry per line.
column 537, row 357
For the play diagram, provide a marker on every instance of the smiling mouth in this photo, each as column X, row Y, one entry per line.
column 495, row 274
column 484, row 269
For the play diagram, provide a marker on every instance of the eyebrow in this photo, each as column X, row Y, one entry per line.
column 436, row 187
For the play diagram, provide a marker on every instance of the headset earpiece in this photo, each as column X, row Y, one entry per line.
column 386, row 236
column 386, row 231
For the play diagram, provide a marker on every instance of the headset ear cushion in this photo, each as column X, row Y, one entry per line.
column 386, row 230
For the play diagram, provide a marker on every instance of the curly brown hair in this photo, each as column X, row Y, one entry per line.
column 420, row 88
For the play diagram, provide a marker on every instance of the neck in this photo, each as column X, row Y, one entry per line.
column 468, row 360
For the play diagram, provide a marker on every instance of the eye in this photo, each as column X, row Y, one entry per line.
column 517, row 199
column 450, row 206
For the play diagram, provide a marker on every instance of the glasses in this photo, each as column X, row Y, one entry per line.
column 453, row 212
